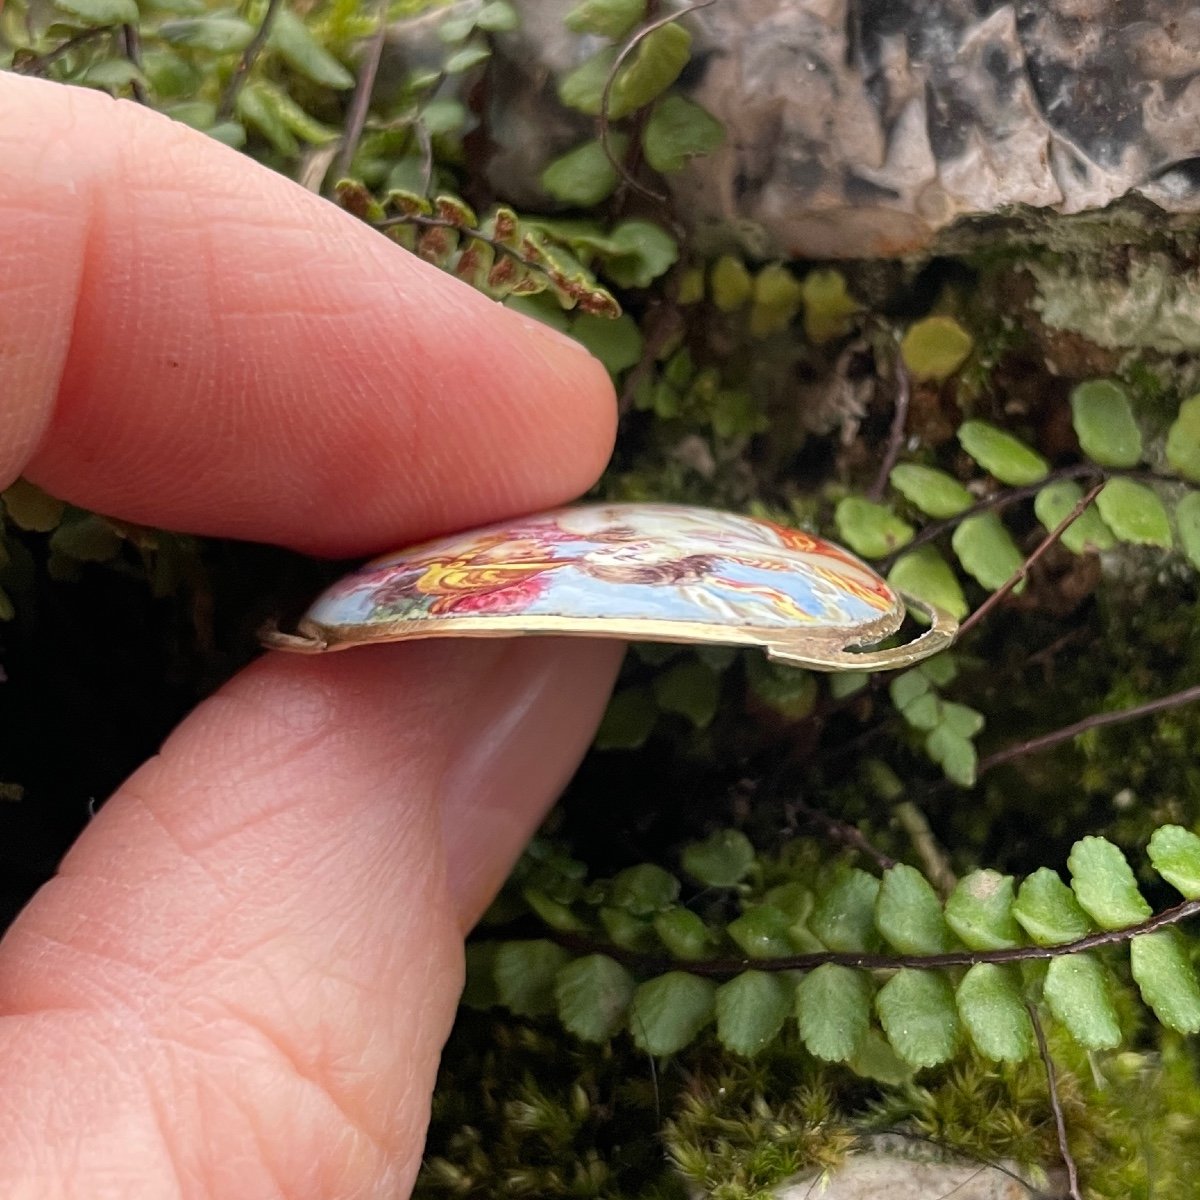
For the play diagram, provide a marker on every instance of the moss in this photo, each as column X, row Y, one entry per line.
column 1151, row 304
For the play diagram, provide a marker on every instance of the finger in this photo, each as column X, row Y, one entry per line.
column 189, row 340
column 239, row 983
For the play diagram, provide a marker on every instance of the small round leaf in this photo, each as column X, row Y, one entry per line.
column 935, row 348
column 729, row 283
column 751, row 1010
column 1183, row 441
column 1134, row 513
column 1087, row 533
column 1076, row 989
column 925, row 574
column 722, row 860
column 870, row 529
column 1165, row 976
column 909, row 914
column 1187, row 522
column 979, row 910
column 30, row 508
column 593, row 995
column 828, row 306
column 833, row 1008
column 1175, row 853
column 1048, row 911
column 690, row 688
column 643, row 890
column 987, row 551
column 683, row 933
column 606, row 18
column 525, row 976
column 993, row 1010
column 1104, row 424
column 1104, row 884
column 762, row 932
column 679, row 130
column 1001, row 454
column 934, row 492
column 656, row 64
column 668, row 1012
column 583, row 176
column 918, row 1014
column 844, row 916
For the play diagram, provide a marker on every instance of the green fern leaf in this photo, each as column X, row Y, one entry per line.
column 1104, row 885
column 993, row 1010
column 593, row 995
column 751, row 1010
column 1167, row 979
column 1175, row 853
column 918, row 1014
column 1048, row 911
column 833, row 1009
column 1104, row 424
column 643, row 890
column 722, row 860
column 987, row 551
column 1001, row 454
column 668, row 1012
column 525, row 976
column 1076, row 989
column 844, row 915
column 909, row 914
column 979, row 911
column 684, row 933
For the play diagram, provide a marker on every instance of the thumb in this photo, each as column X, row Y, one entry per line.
column 240, row 982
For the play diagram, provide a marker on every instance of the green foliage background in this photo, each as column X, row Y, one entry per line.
column 614, row 1041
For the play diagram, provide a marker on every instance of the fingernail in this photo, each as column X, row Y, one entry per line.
column 526, row 727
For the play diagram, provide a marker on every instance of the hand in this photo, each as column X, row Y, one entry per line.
column 240, row 981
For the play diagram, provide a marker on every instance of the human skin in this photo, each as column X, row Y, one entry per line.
column 240, row 980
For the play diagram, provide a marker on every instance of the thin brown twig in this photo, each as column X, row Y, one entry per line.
column 1060, row 1122
column 1095, row 721
column 603, row 121
column 1042, row 548
column 722, row 967
column 896, row 433
column 842, row 832
column 249, row 57
column 131, row 44
column 1001, row 499
column 364, row 88
column 36, row 65
column 1010, row 496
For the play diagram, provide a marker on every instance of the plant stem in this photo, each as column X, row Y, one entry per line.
column 131, row 43
column 246, row 62
column 725, row 967
column 1049, row 540
column 841, row 832
column 363, row 90
column 896, row 433
column 1095, row 721
column 1060, row 1123
column 603, row 120
column 35, row 66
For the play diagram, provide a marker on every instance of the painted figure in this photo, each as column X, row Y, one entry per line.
column 644, row 561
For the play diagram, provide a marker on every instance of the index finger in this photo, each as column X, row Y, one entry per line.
column 189, row 340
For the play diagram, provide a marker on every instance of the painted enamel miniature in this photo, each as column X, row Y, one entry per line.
column 640, row 572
